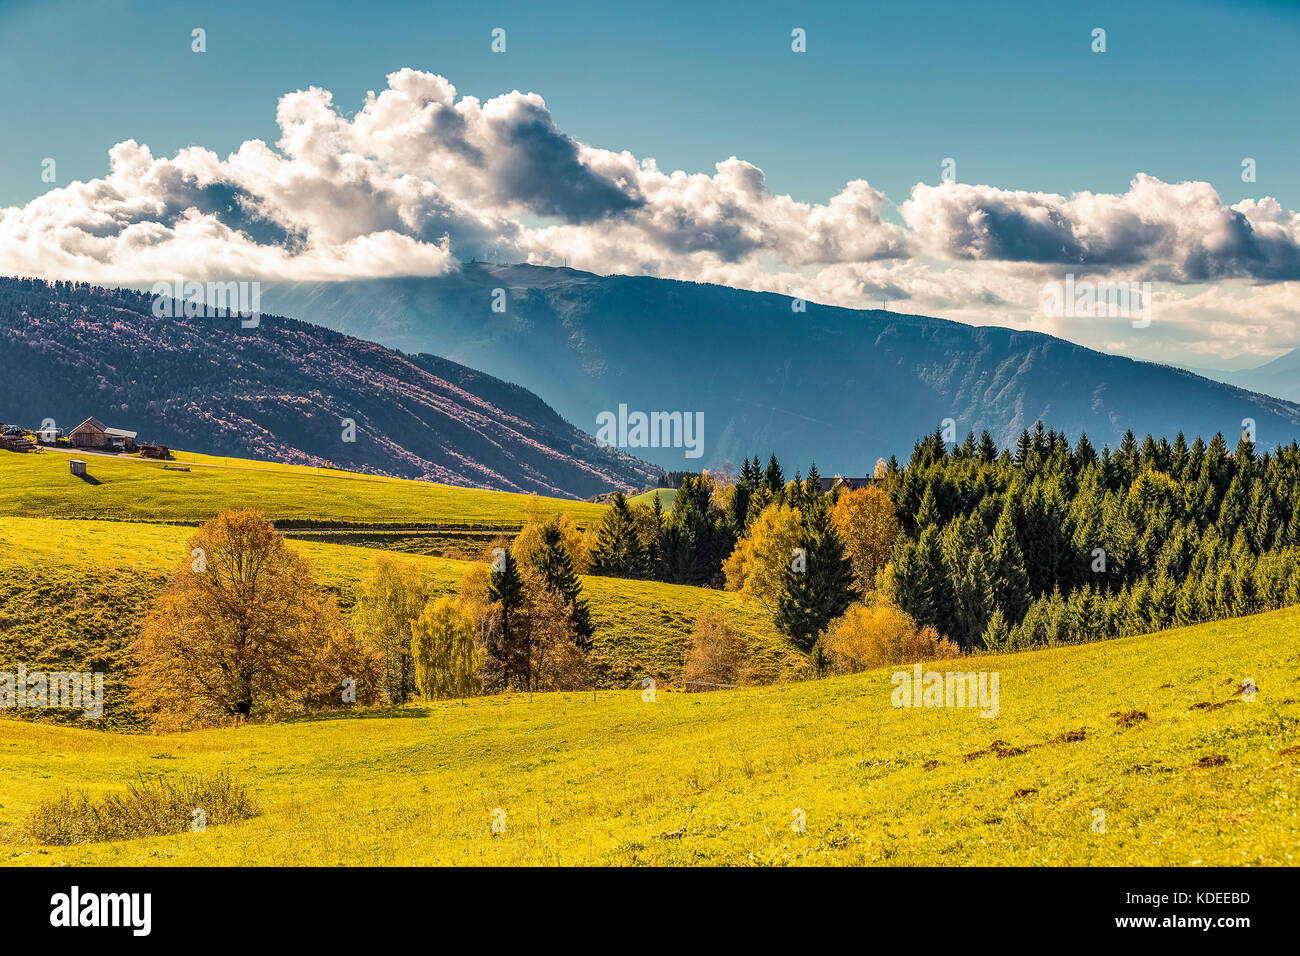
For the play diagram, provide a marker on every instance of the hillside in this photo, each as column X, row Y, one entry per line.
column 1279, row 377
column 840, row 386
column 72, row 593
column 1131, row 727
column 285, row 391
column 141, row 490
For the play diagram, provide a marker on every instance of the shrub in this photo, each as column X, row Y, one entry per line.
column 147, row 807
column 877, row 633
column 718, row 653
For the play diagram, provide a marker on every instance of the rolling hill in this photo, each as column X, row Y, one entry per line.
column 286, row 391
column 72, row 592
column 1119, row 753
column 840, row 386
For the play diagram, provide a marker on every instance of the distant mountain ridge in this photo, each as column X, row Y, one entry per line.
column 1279, row 378
column 285, row 391
column 838, row 386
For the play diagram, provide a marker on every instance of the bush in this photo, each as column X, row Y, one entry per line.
column 718, row 654
column 878, row 633
column 148, row 807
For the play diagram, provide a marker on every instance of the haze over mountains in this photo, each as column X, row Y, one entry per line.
column 838, row 386
column 284, row 391
column 1280, row 377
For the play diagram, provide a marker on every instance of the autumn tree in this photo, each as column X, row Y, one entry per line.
column 243, row 631
column 528, row 542
column 446, row 660
column 867, row 525
column 757, row 564
column 876, row 633
column 718, row 653
column 392, row 595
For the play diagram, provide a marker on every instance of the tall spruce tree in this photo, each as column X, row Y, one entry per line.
column 618, row 552
column 557, row 571
column 510, row 650
column 822, row 590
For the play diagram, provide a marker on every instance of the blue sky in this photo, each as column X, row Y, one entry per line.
column 1011, row 91
column 885, row 92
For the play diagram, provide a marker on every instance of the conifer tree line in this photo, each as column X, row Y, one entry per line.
column 810, row 581
column 1059, row 543
column 1049, row 542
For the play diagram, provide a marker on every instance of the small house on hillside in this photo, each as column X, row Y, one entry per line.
column 845, row 484
column 92, row 433
column 155, row 451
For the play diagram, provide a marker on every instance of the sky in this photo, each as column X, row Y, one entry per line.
column 953, row 159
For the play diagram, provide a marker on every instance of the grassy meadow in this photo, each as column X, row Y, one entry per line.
column 1200, row 777
column 72, row 593
column 136, row 489
column 1149, row 730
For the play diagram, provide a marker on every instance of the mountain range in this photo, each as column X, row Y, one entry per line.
column 839, row 386
column 1280, row 377
column 285, row 391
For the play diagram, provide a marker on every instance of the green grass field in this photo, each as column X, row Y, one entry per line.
column 135, row 489
column 666, row 498
column 72, row 592
column 607, row 778
column 1149, row 731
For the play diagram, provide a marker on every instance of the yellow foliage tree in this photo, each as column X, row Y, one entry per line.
column 242, row 631
column 867, row 525
column 756, row 565
column 529, row 540
column 392, row 595
column 446, row 660
column 718, row 653
column 876, row 633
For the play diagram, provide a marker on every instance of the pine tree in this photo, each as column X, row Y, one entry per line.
column 653, row 545
column 510, row 649
column 741, row 495
column 773, row 478
column 618, row 552
column 813, row 483
column 988, row 449
column 1010, row 580
column 819, row 592
column 998, row 633
column 557, row 572
column 1024, row 444
column 927, row 514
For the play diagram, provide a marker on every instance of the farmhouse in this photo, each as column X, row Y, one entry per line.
column 845, row 484
column 92, row 433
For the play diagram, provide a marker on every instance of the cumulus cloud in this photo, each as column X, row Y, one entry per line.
column 421, row 179
column 1179, row 232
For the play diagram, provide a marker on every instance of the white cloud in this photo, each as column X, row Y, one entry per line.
column 419, row 180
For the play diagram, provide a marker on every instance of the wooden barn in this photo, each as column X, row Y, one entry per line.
column 92, row 433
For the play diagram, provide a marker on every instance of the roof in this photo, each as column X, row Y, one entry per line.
column 852, row 484
column 93, row 422
column 120, row 433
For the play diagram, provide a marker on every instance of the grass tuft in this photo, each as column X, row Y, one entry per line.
column 149, row 806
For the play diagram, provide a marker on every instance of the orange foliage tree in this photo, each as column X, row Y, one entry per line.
column 866, row 522
column 242, row 631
